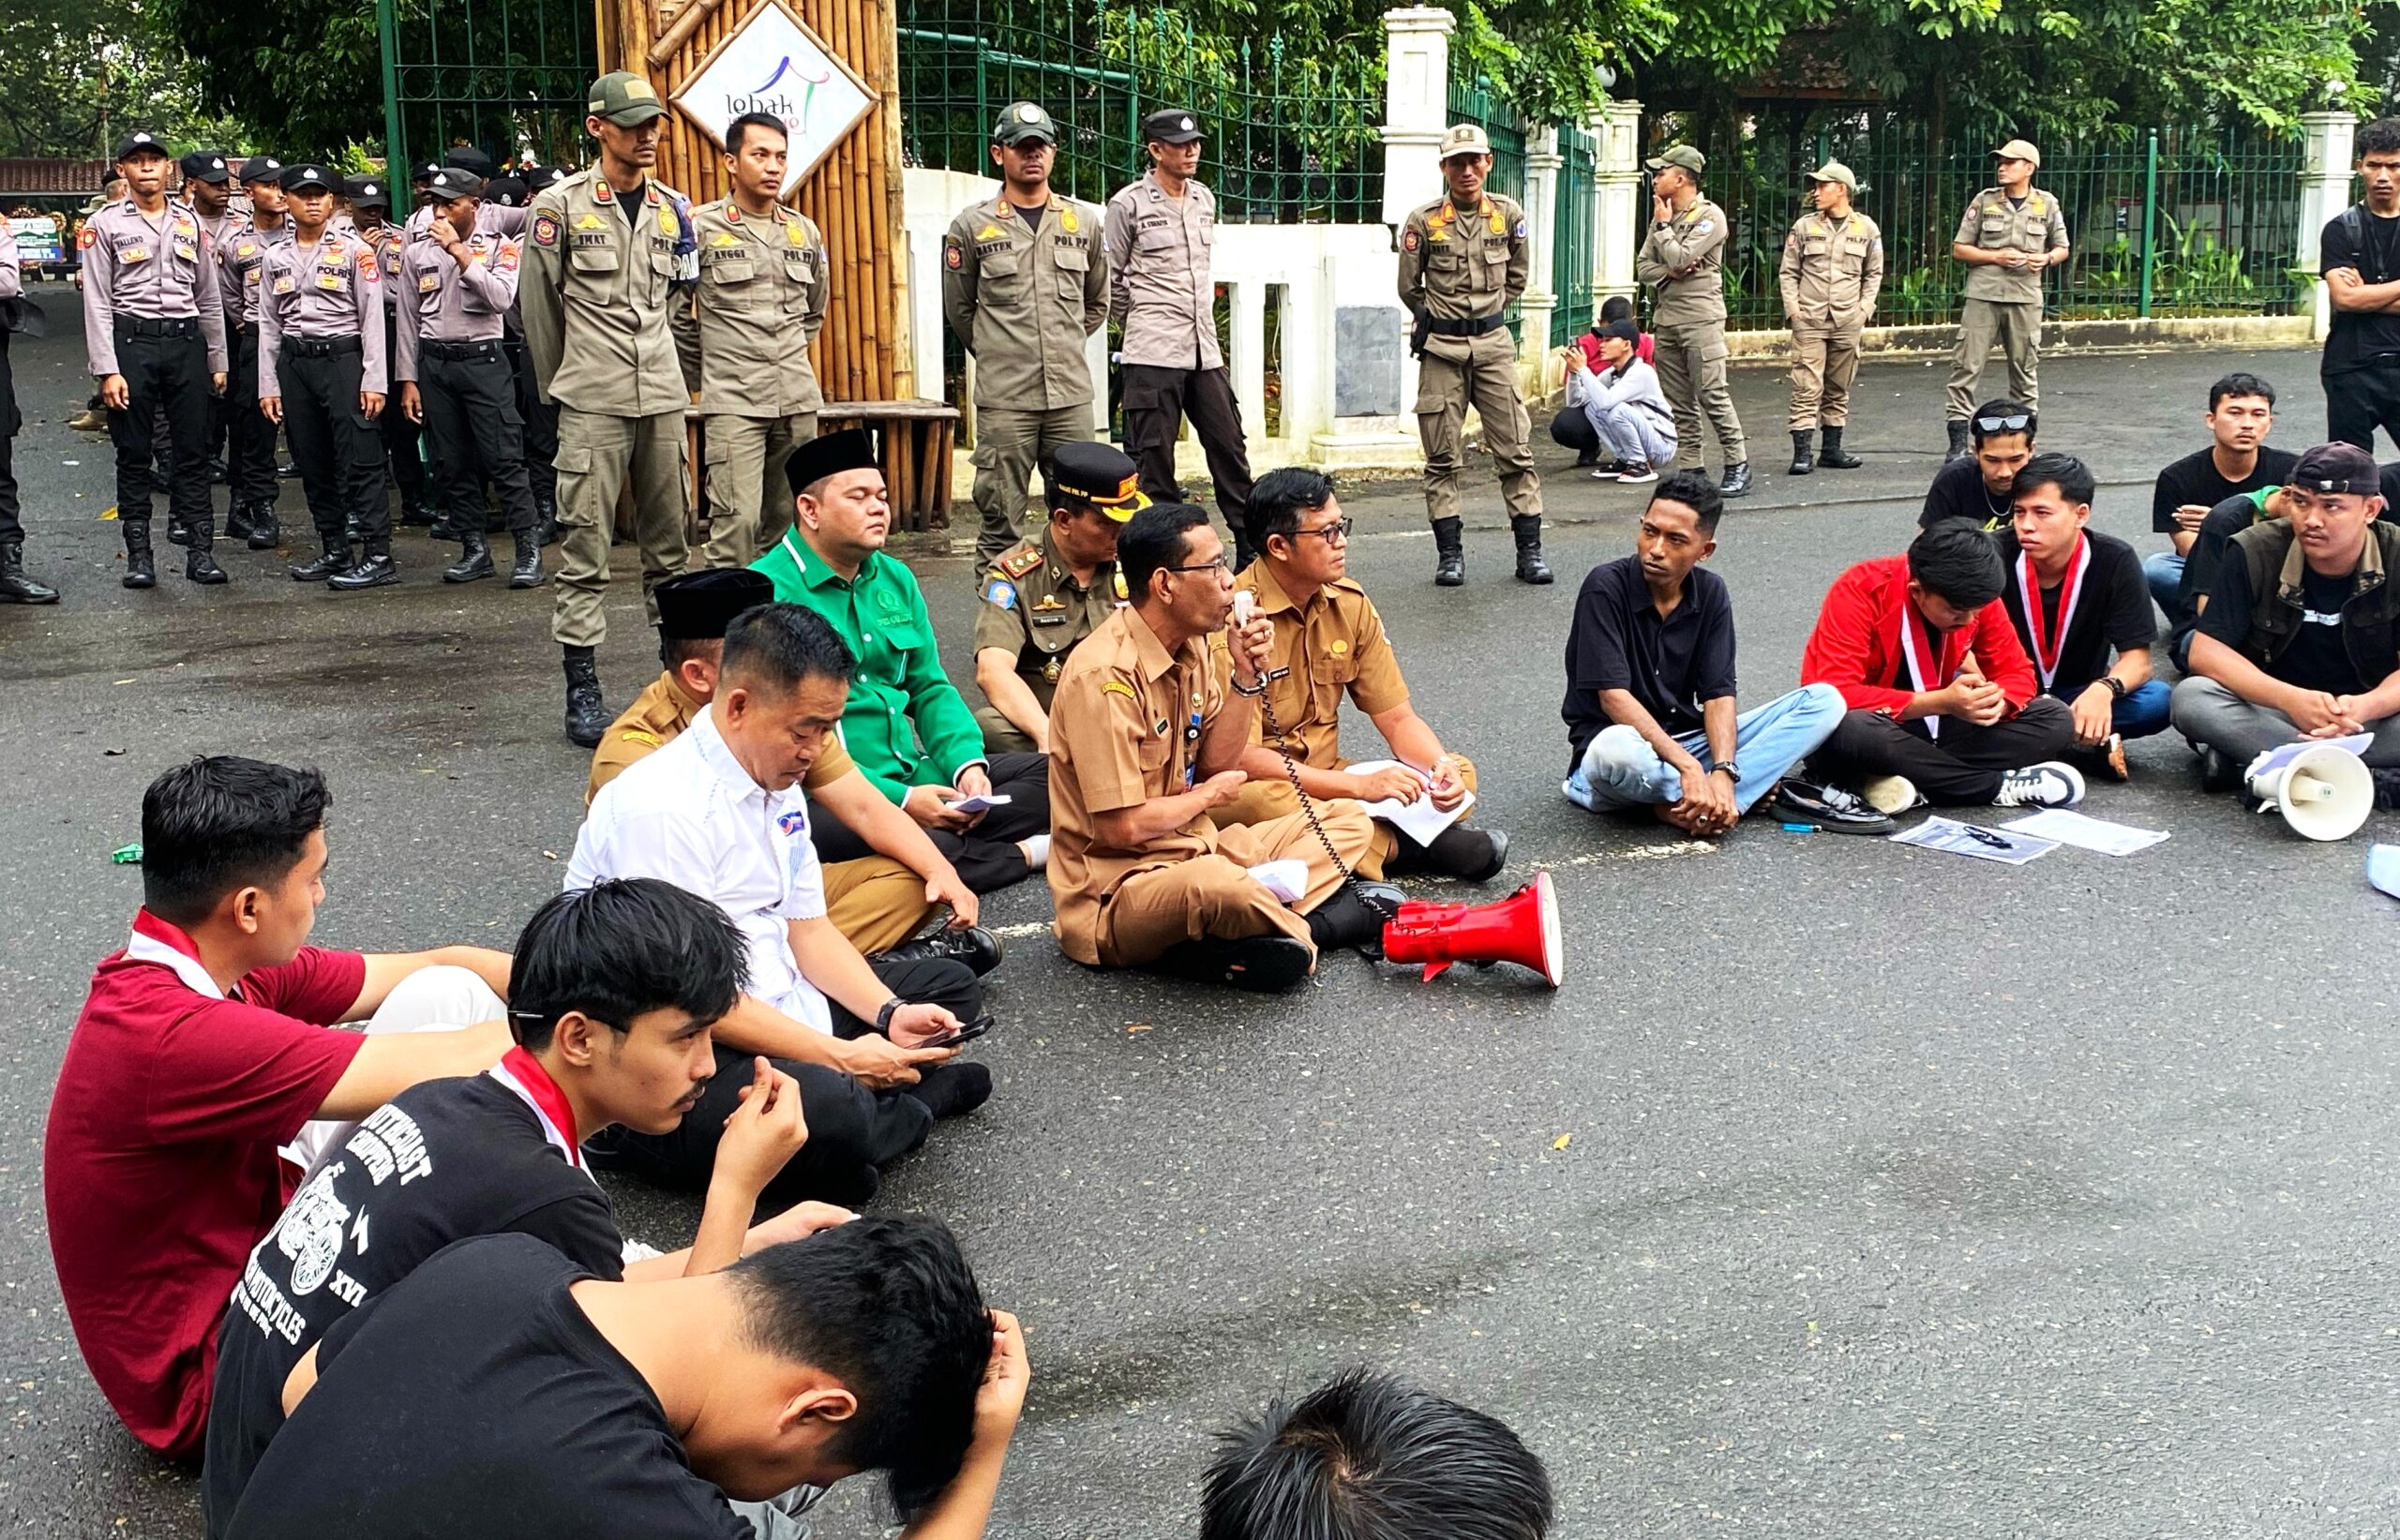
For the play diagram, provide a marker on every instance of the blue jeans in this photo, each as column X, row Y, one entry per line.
column 2163, row 572
column 1620, row 771
column 2143, row 711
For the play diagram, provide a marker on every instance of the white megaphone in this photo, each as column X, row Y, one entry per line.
column 2324, row 791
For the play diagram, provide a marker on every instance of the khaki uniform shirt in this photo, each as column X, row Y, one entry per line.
column 658, row 715
column 159, row 269
column 595, row 296
column 1461, row 266
column 1993, row 223
column 1332, row 646
column 1033, row 609
column 1159, row 284
column 330, row 290
column 1832, row 271
column 447, row 302
column 1024, row 298
column 760, row 302
column 1125, row 728
column 1695, row 239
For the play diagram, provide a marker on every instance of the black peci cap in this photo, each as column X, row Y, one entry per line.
column 696, row 607
column 829, row 454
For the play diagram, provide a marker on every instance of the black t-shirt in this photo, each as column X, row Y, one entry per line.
column 2207, row 557
column 2360, row 338
column 476, row 1400
column 440, row 1162
column 2316, row 658
column 2112, row 614
column 1958, row 492
column 2195, row 479
column 1617, row 642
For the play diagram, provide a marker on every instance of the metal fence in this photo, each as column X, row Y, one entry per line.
column 1290, row 140
column 2163, row 222
column 1475, row 101
column 1570, row 260
column 506, row 76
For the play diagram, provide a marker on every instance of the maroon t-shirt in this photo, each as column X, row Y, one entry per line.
column 158, row 1168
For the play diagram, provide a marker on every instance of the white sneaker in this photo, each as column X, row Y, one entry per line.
column 2049, row 784
column 1890, row 795
column 1637, row 472
column 1607, row 472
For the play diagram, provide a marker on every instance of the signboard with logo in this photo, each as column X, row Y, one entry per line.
column 773, row 64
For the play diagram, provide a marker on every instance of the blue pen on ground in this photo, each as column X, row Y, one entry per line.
column 1799, row 828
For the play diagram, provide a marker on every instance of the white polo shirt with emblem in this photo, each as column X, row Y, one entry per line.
column 690, row 815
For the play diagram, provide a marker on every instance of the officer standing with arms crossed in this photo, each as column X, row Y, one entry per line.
column 1833, row 269
column 455, row 285
column 1024, row 281
column 1462, row 258
column 1160, row 232
column 609, row 250
column 760, row 302
column 2008, row 237
column 323, row 376
column 154, row 327
column 1683, row 260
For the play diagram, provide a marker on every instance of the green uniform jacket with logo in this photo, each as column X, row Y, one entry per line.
column 1023, row 298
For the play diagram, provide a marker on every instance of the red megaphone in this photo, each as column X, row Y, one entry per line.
column 1522, row 929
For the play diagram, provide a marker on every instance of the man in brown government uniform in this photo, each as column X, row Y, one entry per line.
column 1162, row 231
column 879, row 901
column 1145, row 743
column 1462, row 258
column 606, row 251
column 760, row 302
column 1024, row 281
column 2010, row 234
column 1043, row 596
column 1683, row 260
column 1832, row 270
column 1330, row 642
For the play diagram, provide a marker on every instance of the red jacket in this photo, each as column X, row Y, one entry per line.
column 1856, row 645
column 1644, row 350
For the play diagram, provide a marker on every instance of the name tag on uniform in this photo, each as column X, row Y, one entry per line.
column 329, row 280
column 187, row 251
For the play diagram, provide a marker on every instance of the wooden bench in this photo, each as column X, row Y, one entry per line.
column 918, row 439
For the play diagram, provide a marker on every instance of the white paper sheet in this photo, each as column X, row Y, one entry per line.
column 2057, row 823
column 1950, row 835
column 1421, row 820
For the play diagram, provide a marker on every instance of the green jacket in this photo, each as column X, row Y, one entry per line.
column 904, row 723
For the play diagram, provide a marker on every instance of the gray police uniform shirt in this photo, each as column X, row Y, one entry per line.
column 329, row 289
column 161, row 269
column 443, row 301
column 1159, row 287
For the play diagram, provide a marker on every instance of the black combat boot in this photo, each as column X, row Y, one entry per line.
column 546, row 519
column 1449, row 566
column 474, row 560
column 587, row 718
column 177, row 533
column 1803, row 461
column 15, row 587
column 264, row 533
column 1737, row 480
column 237, row 521
column 375, row 569
column 201, row 568
column 1836, row 457
column 1531, row 568
column 334, row 562
column 140, row 569
column 413, row 513
column 527, row 573
column 1957, row 441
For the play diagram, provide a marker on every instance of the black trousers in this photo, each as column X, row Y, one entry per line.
column 2359, row 402
column 541, row 429
column 1962, row 768
column 334, row 442
column 165, row 364
column 249, row 438
column 1574, row 429
column 853, row 1130
column 12, row 531
column 986, row 855
column 398, row 435
column 471, row 420
column 1155, row 401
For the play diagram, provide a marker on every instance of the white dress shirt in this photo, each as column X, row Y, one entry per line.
column 690, row 815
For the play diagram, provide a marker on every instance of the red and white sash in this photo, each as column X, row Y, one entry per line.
column 1924, row 668
column 2047, row 650
column 522, row 1074
column 154, row 940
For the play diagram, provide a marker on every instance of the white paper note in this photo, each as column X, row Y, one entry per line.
column 1950, row 835
column 2057, row 823
column 1421, row 820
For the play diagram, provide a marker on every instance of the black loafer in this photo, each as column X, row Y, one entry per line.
column 972, row 945
column 1829, row 808
column 1263, row 964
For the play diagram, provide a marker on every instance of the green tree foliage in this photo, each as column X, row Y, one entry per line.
column 76, row 74
column 307, row 75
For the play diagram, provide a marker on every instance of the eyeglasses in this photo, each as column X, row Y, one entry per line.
column 1219, row 564
column 2003, row 424
column 1335, row 533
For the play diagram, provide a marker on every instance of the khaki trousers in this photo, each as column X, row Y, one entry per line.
column 1001, row 735
column 1690, row 360
column 1009, row 446
column 2016, row 326
column 876, row 902
column 1216, row 895
column 749, row 499
column 1824, row 365
column 598, row 457
column 1487, row 380
column 1263, row 801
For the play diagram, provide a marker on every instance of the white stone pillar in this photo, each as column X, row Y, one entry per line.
column 2324, row 192
column 1417, row 106
column 1618, row 218
column 1247, row 300
column 1540, row 301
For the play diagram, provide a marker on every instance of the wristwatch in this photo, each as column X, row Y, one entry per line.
column 883, row 1017
column 2116, row 686
column 1729, row 768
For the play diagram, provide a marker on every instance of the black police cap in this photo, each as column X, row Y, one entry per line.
column 206, row 166
column 507, row 191
column 468, row 159
column 455, row 182
column 829, row 454
column 140, row 142
column 368, row 192
column 1170, row 126
column 1098, row 473
column 696, row 607
column 301, row 177
column 261, row 168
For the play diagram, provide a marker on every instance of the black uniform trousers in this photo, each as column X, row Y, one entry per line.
column 249, row 443
column 165, row 364
column 1961, row 769
column 986, row 855
column 2359, row 402
column 1157, row 400
column 12, row 531
column 541, row 430
column 471, row 417
column 853, row 1128
column 333, row 441
column 399, row 436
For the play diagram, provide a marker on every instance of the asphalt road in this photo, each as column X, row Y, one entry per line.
column 1844, row 1190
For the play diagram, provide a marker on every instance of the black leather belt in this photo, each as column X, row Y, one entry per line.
column 321, row 347
column 456, row 351
column 157, row 326
column 1464, row 328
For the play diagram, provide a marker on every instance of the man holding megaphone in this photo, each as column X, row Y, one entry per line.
column 2299, row 637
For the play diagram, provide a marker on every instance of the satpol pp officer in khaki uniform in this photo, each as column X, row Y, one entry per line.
column 607, row 253
column 2008, row 237
column 760, row 302
column 1024, row 281
column 1462, row 259
column 1683, row 260
column 1045, row 595
column 1832, row 270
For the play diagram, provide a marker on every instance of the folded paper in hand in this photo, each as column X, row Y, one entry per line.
column 1421, row 820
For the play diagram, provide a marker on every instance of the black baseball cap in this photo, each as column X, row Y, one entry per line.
column 260, row 168
column 1170, row 126
column 453, row 181
column 538, row 177
column 696, row 607
column 424, row 173
column 368, row 192
column 2335, row 467
column 309, row 174
column 206, row 166
column 507, row 191
column 466, row 158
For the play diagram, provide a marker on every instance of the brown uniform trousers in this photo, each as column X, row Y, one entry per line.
column 1831, row 273
column 1463, row 269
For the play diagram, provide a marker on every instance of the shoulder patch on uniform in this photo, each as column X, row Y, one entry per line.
column 1000, row 593
column 1021, row 563
column 636, row 735
column 1520, row 231
column 1118, row 687
column 84, row 237
column 545, row 230
column 952, row 257
column 1408, row 241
